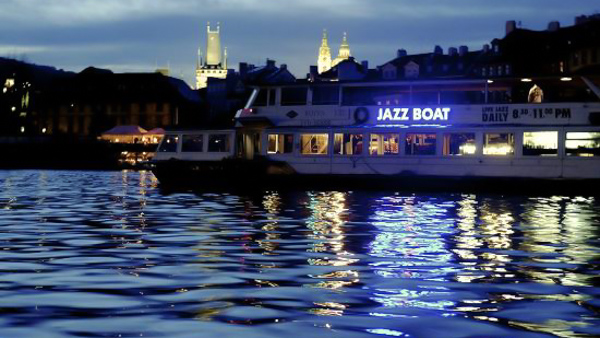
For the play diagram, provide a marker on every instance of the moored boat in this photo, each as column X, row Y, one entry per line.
column 395, row 134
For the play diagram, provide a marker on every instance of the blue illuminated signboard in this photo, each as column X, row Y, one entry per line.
column 413, row 114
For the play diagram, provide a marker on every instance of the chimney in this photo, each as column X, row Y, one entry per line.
column 438, row 50
column 283, row 66
column 486, row 48
column 463, row 50
column 243, row 69
column 510, row 26
column 553, row 26
column 270, row 63
column 365, row 65
column 452, row 51
column 401, row 53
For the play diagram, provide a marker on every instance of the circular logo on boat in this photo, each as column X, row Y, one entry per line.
column 361, row 115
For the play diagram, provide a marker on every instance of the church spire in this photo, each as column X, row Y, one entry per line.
column 199, row 61
column 344, row 52
column 324, row 59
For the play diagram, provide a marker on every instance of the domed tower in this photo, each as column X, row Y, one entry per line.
column 324, row 60
column 344, row 52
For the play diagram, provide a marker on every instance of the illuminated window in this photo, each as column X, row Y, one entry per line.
column 314, row 144
column 168, row 145
column 540, row 143
column 384, row 144
column 420, row 144
column 280, row 143
column 585, row 144
column 347, row 144
column 459, row 144
column 218, row 143
column 192, row 143
column 498, row 144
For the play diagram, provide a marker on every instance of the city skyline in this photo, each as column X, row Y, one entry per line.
column 140, row 36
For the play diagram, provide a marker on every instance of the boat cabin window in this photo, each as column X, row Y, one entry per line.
column 459, row 144
column 218, row 143
column 294, row 96
column 314, row 144
column 498, row 144
column 540, row 143
column 280, row 144
column 261, row 98
column 192, row 143
column 169, row 144
column 384, row 144
column 325, row 95
column 584, row 144
column 347, row 144
column 420, row 144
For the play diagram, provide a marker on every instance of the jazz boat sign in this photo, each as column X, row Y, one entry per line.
column 413, row 114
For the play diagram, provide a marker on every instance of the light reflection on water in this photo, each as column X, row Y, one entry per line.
column 111, row 254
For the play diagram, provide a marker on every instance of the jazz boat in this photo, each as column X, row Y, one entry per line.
column 423, row 134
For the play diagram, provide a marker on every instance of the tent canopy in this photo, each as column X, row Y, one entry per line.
column 126, row 130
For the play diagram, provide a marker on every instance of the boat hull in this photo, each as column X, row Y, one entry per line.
column 244, row 175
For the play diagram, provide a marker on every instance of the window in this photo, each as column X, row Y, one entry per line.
column 218, row 143
column 280, row 143
column 169, row 144
column 293, row 96
column 314, row 144
column 272, row 96
column 498, row 144
column 192, row 143
column 384, row 144
column 420, row 144
column 459, row 144
column 584, row 144
column 261, row 98
column 322, row 95
column 540, row 143
column 347, row 144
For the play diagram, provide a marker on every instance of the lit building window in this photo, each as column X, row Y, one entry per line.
column 347, row 144
column 218, row 143
column 540, row 143
column 168, row 145
column 280, row 143
column 584, row 144
column 384, row 144
column 314, row 144
column 192, row 143
column 498, row 144
column 420, row 144
column 459, row 144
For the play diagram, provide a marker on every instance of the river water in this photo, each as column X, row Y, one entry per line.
column 111, row 254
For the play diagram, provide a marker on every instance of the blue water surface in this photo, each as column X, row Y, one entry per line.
column 112, row 254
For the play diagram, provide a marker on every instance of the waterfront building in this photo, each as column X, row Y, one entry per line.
column 214, row 65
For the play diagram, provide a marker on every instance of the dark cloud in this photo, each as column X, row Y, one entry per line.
column 137, row 35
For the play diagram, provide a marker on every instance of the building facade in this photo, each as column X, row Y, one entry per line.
column 215, row 63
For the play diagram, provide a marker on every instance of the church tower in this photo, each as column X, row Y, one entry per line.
column 214, row 65
column 344, row 52
column 324, row 60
